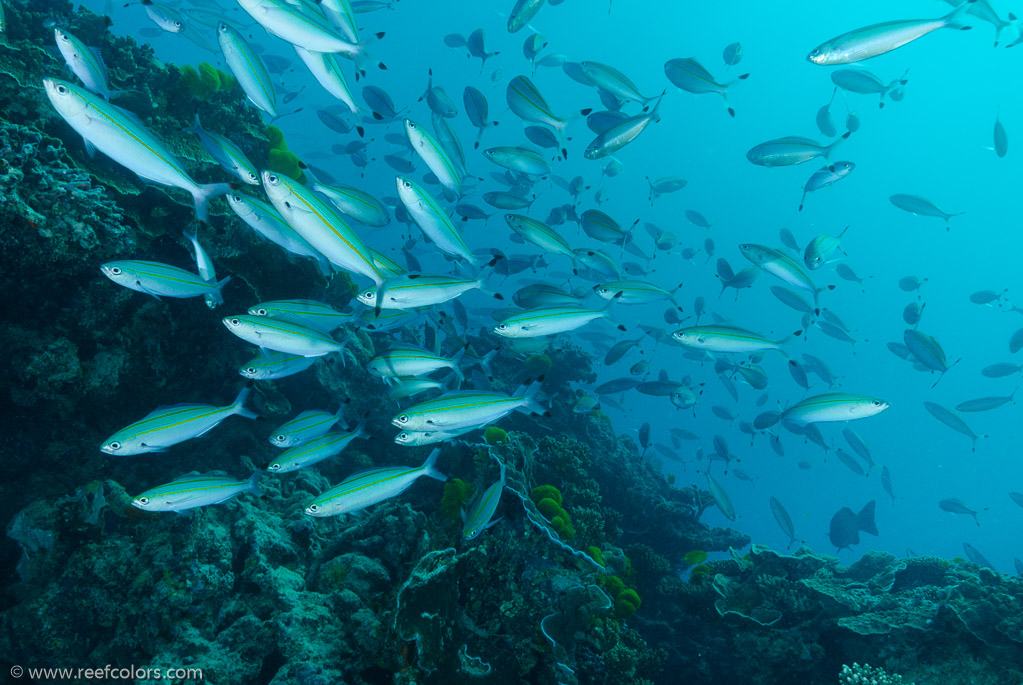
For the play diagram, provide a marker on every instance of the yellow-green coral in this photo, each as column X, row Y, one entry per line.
column 542, row 492
column 281, row 159
column 495, row 436
column 207, row 79
column 456, row 493
column 626, row 604
column 595, row 554
column 694, row 557
column 613, row 585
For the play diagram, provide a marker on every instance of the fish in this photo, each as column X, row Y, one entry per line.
column 1016, row 497
column 282, row 336
column 326, row 69
column 1001, row 370
column 543, row 321
column 720, row 497
column 268, row 223
column 985, row 403
column 732, row 54
column 691, row 76
column 311, row 423
column 529, row 104
column 912, row 313
column 271, row 365
column 539, row 234
column 863, row 82
column 207, row 271
column 784, row 521
column 870, row 41
column 976, row 557
column 519, row 159
column 438, row 100
column 419, row 438
column 850, row 462
column 435, row 157
column 248, row 69
column 824, row 177
column 120, row 135
column 478, row 111
column 162, row 280
column 983, row 10
column 921, row 206
column 298, row 25
column 1001, row 138
column 886, row 483
column 947, row 417
column 537, row 295
column 791, row 150
column 478, row 517
column 781, row 265
column 822, row 248
column 697, row 219
column 730, row 339
column 355, row 203
column 228, row 155
column 614, row 82
column 342, row 17
column 319, row 225
column 85, row 62
column 170, row 425
column 475, row 44
column 599, row 226
column 189, row 492
column 620, row 135
column 468, row 408
column 616, row 386
column 635, row 292
column 367, row 488
column 521, row 13
column 315, row 450
column 830, row 407
column 928, row 352
column 954, row 506
column 846, row 526
column 793, row 300
column 433, row 220
column 412, row 291
column 404, row 360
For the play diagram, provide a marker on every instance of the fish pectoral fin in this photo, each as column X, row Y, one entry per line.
column 90, row 149
column 146, row 290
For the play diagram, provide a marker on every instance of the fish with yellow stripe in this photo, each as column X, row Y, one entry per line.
column 189, row 492
column 479, row 516
column 366, row 488
column 162, row 280
column 167, row 426
column 468, row 408
column 122, row 137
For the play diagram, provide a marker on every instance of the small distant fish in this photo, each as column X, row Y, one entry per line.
column 721, row 499
column 697, row 219
column 947, row 417
column 784, row 521
column 825, row 177
column 691, row 76
column 478, row 517
column 920, row 206
column 732, row 54
column 863, row 82
column 954, row 506
column 271, row 365
column 724, row 339
column 985, row 403
column 315, row 450
column 664, row 186
column 162, row 280
column 1001, row 139
column 976, row 557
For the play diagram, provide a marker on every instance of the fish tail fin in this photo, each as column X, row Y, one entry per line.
column 865, row 519
column 954, row 19
column 362, row 56
column 724, row 93
column 202, row 194
column 430, row 466
column 530, row 393
column 360, row 429
column 253, row 486
column 238, row 405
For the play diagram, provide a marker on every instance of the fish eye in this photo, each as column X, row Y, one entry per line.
column 234, row 322
column 313, row 507
column 403, row 436
column 64, row 37
column 261, row 312
column 272, row 179
column 280, row 438
column 877, row 403
column 253, row 176
column 222, row 28
column 236, row 198
column 114, row 445
column 403, row 418
column 251, row 371
column 62, row 90
column 502, row 326
column 274, row 467
column 407, row 184
column 143, row 500
column 116, row 270
column 177, row 24
column 412, row 124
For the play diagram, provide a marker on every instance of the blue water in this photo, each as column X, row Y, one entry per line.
column 935, row 143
